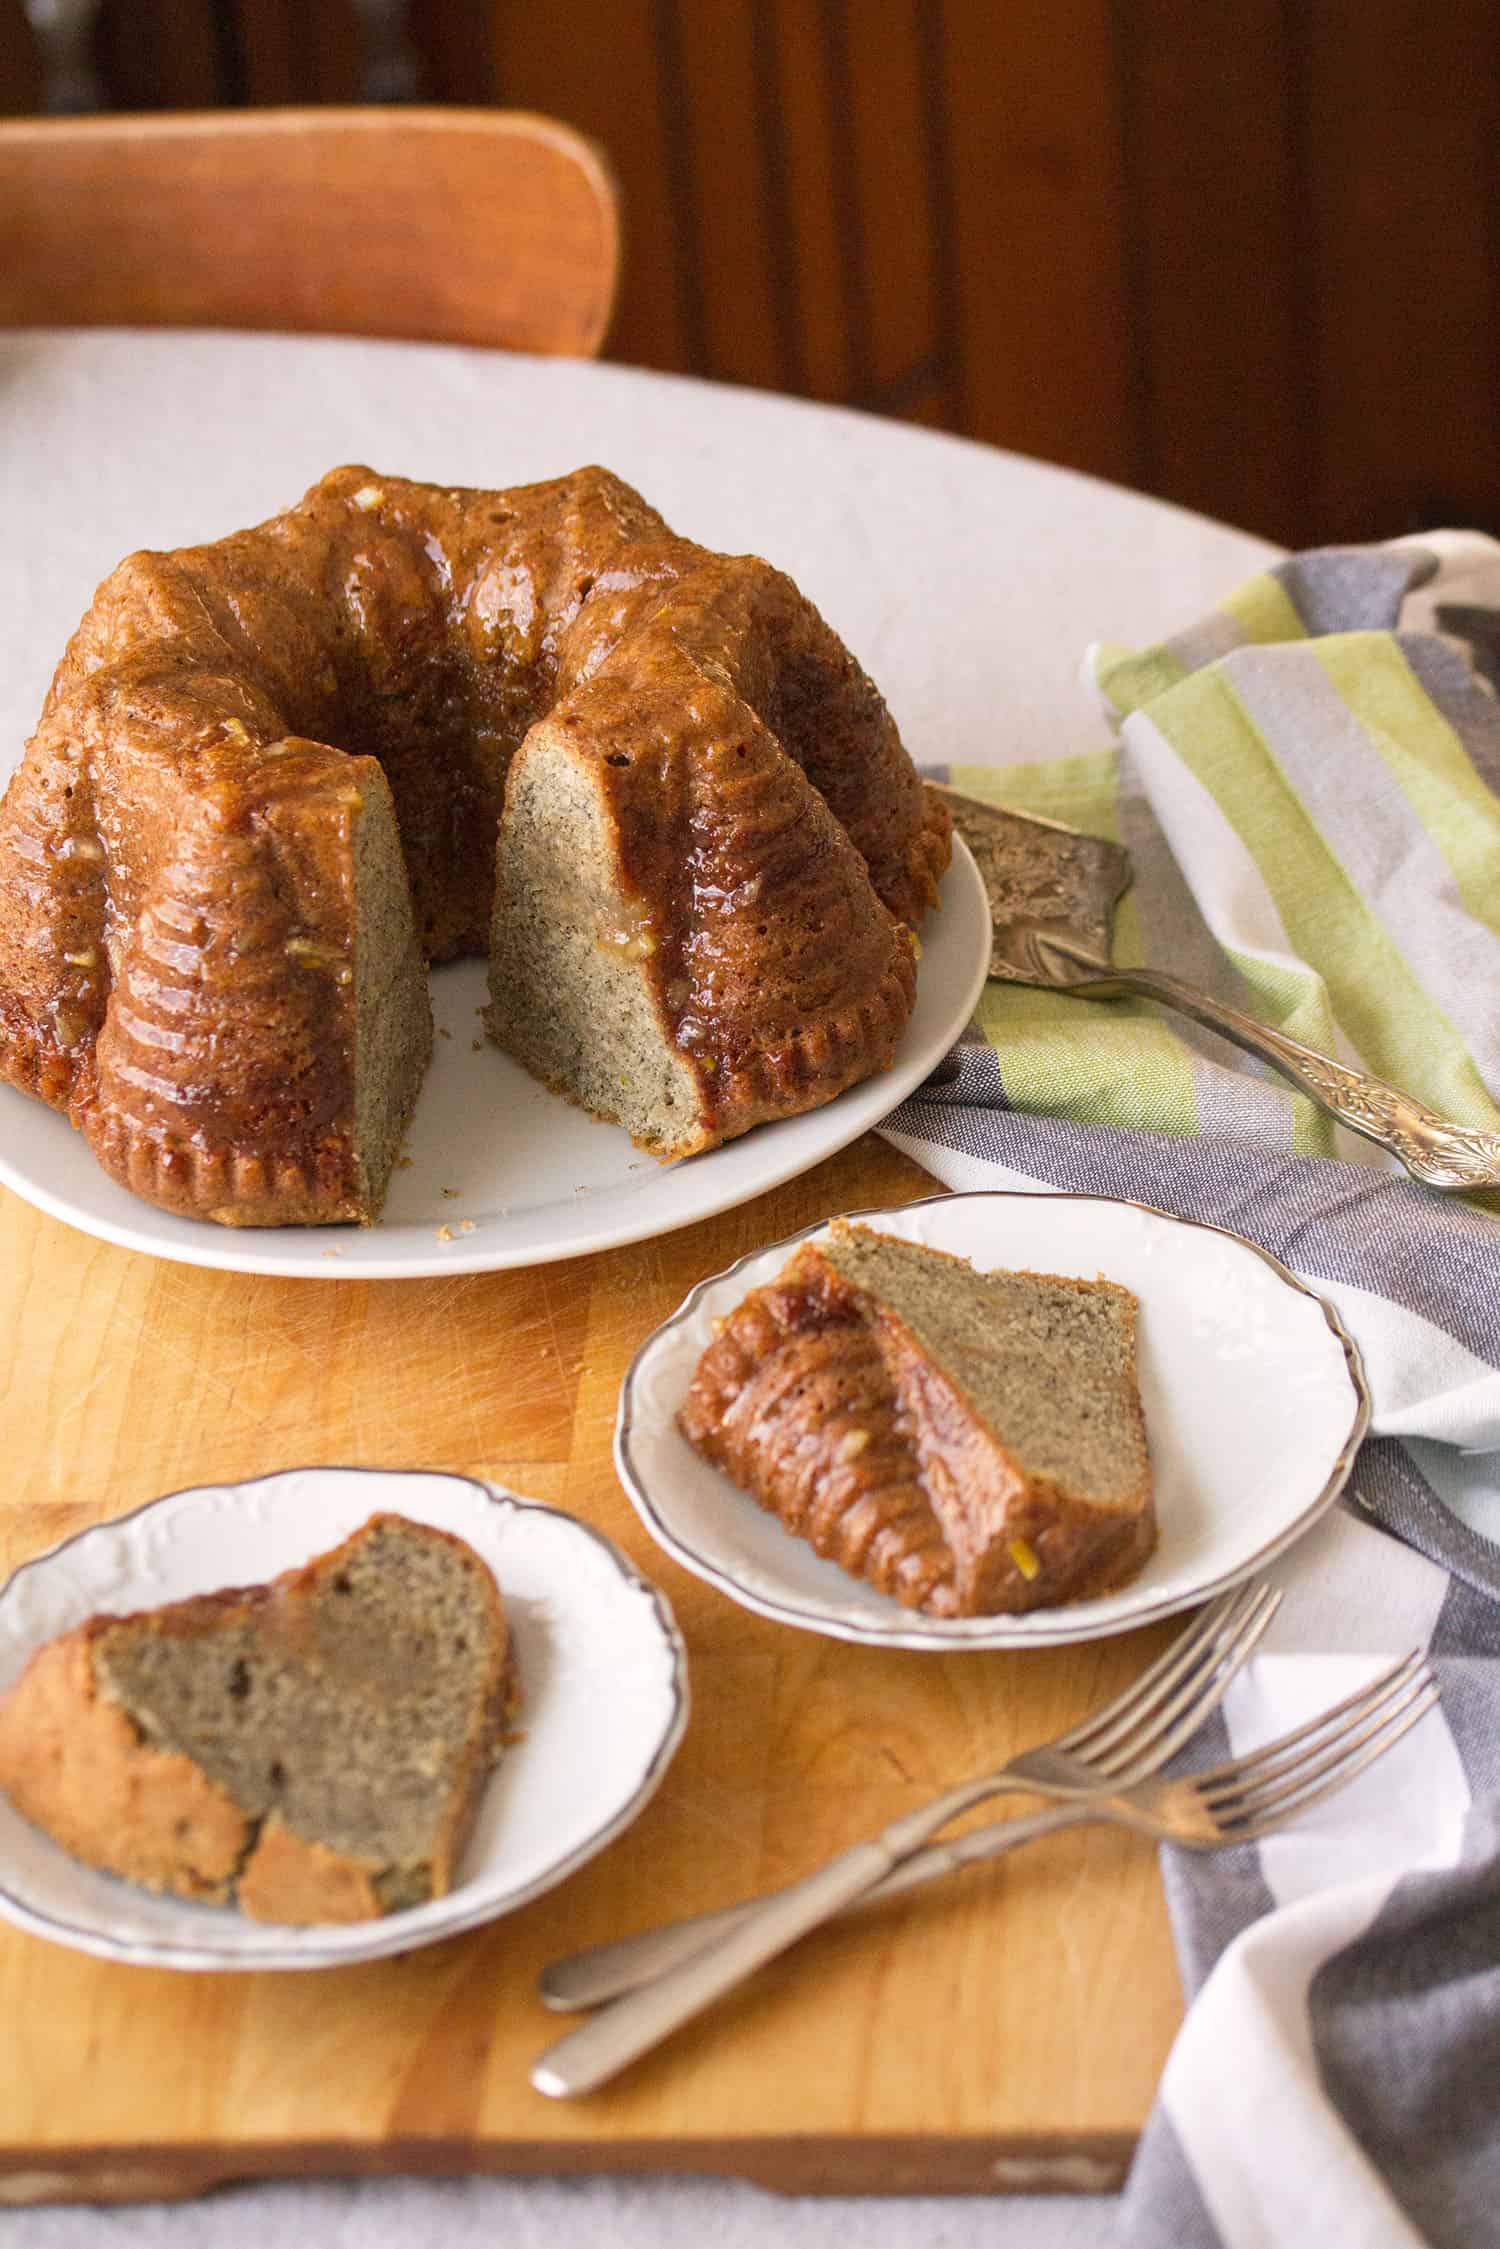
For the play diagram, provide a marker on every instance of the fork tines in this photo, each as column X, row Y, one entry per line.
column 1177, row 1692
column 1250, row 1795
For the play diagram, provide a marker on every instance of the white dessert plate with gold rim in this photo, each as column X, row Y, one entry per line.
column 501, row 1172
column 1254, row 1398
column 604, row 1701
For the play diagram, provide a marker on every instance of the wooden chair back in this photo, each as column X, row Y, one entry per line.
column 455, row 225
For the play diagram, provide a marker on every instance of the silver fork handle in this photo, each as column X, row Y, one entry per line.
column 1436, row 1152
column 1178, row 1710
column 618, row 2034
column 606, row 1971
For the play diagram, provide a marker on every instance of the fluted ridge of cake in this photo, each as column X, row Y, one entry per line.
column 211, row 697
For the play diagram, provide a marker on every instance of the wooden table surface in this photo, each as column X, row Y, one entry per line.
column 1003, row 2030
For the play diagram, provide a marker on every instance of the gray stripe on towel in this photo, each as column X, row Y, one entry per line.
column 1333, row 1221
column 1406, row 2027
column 1391, row 1488
column 1353, row 589
column 1471, row 708
column 1163, row 2208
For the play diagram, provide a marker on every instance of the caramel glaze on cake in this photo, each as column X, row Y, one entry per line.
column 207, row 957
column 971, row 1443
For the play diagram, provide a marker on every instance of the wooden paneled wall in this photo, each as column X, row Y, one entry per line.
column 1241, row 253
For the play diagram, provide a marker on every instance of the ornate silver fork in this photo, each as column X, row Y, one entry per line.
column 1130, row 1738
column 1053, row 894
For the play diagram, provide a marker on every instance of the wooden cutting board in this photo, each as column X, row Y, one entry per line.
column 1002, row 2031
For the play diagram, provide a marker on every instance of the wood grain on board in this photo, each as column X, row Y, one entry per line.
column 1004, row 2030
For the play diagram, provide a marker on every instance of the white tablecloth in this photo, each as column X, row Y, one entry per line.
column 967, row 580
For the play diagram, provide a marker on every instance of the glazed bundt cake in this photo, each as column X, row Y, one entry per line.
column 971, row 1443
column 267, row 787
column 313, row 1749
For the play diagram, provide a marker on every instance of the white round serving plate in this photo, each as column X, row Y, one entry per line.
column 603, row 1675
column 1254, row 1397
column 501, row 1172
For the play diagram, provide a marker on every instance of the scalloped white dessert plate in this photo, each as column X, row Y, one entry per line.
column 501, row 1172
column 604, row 1702
column 1254, row 1397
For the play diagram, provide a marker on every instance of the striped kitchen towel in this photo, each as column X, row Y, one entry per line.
column 1308, row 783
column 1308, row 791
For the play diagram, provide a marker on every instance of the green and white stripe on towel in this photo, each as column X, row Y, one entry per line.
column 1308, row 792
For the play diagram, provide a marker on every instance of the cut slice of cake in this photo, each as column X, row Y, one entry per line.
column 971, row 1443
column 310, row 1750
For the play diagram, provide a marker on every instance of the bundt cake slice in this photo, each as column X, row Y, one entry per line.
column 268, row 783
column 309, row 1750
column 971, row 1443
